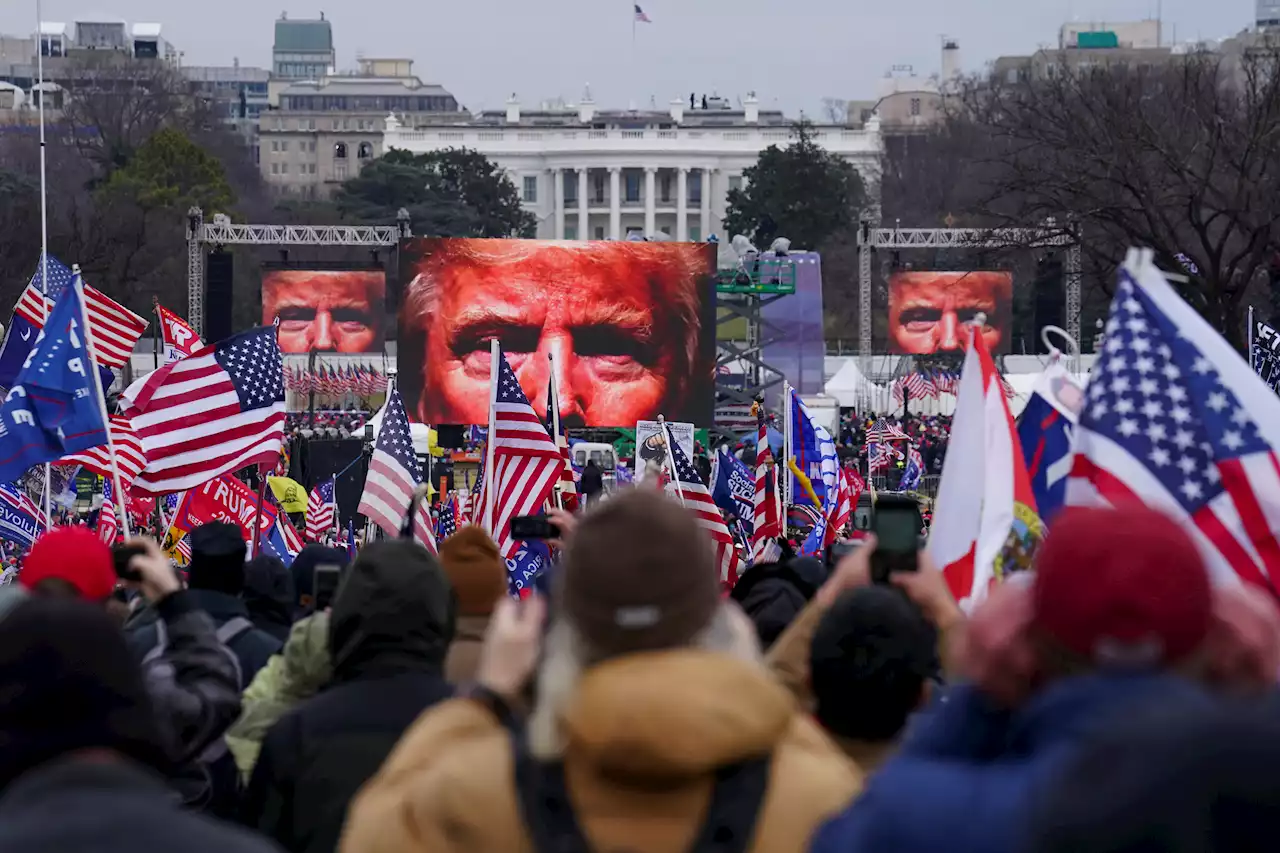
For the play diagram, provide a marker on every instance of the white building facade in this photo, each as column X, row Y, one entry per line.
column 590, row 175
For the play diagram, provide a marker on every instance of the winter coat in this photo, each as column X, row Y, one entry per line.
column 464, row 652
column 644, row 737
column 269, row 596
column 82, row 806
column 389, row 630
column 966, row 776
column 773, row 594
column 289, row 678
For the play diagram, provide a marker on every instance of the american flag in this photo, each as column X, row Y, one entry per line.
column 320, row 510
column 129, row 454
column 914, row 385
column 108, row 524
column 846, row 499
column 115, row 328
column 1175, row 418
column 526, row 462
column 882, row 430
column 767, row 524
column 448, row 524
column 698, row 501
column 568, row 484
column 928, row 387
column 641, row 17
column 289, row 533
column 393, row 475
column 216, row 411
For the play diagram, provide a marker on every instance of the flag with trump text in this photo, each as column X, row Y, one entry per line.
column 21, row 521
column 320, row 510
column 53, row 407
column 688, row 487
column 394, row 474
column 217, row 410
column 526, row 462
column 180, row 340
column 1175, row 418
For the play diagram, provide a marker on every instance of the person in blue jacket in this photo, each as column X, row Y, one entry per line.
column 1119, row 617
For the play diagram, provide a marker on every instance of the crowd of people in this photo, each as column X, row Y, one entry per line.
column 1113, row 699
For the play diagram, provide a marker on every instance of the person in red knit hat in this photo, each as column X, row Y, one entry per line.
column 70, row 562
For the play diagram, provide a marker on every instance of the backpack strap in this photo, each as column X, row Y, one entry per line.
column 231, row 630
column 728, row 827
column 162, row 643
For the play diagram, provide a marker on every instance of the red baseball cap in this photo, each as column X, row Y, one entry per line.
column 75, row 555
column 1122, row 586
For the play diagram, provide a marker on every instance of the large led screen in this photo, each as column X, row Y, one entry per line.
column 326, row 310
column 928, row 310
column 632, row 325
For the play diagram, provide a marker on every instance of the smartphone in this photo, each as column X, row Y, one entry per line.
column 533, row 527
column 837, row 551
column 896, row 523
column 120, row 557
column 324, row 584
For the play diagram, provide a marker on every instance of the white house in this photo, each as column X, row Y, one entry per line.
column 588, row 174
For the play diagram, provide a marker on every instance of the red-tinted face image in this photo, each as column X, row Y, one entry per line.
column 623, row 320
column 326, row 310
column 928, row 310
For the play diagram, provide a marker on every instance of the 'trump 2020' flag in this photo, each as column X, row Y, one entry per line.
column 985, row 523
column 393, row 475
column 180, row 340
column 217, row 410
column 1175, row 418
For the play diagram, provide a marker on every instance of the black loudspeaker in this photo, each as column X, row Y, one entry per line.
column 326, row 457
column 1049, row 298
column 449, row 437
column 220, row 270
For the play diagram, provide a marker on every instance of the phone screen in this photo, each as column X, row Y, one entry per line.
column 898, row 529
column 325, row 584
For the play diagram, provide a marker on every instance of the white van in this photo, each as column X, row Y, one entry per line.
column 605, row 457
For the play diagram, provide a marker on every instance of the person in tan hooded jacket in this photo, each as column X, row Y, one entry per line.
column 650, row 687
column 478, row 573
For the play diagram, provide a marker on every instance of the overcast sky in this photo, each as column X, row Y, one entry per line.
column 791, row 52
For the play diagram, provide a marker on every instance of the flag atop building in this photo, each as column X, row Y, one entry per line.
column 526, row 462
column 1175, row 418
column 688, row 487
column 216, row 411
column 394, row 474
column 641, row 17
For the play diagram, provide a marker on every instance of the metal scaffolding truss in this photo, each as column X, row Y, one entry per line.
column 760, row 378
column 1047, row 237
column 223, row 232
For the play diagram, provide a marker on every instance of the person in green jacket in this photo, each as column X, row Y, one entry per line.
column 290, row 677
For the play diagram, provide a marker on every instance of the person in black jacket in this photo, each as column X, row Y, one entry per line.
column 773, row 594
column 390, row 627
column 82, row 759
column 269, row 595
column 592, row 484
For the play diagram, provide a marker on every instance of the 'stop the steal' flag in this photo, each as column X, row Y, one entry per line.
column 53, row 407
column 1175, row 418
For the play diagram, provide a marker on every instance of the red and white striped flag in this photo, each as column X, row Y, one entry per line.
column 526, row 462
column 180, row 340
column 216, row 411
column 320, row 510
column 289, row 533
column 698, row 500
column 115, row 328
column 846, row 500
column 767, row 523
column 393, row 475
column 108, row 524
column 129, row 454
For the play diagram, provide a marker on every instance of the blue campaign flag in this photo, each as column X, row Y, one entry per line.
column 527, row 569
column 734, row 489
column 53, row 407
column 275, row 545
column 17, row 522
column 17, row 346
column 815, row 453
column 1045, row 430
column 27, row 317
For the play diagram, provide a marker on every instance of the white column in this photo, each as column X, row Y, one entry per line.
column 706, row 204
column 682, row 203
column 583, row 219
column 615, row 202
column 650, row 200
column 557, row 177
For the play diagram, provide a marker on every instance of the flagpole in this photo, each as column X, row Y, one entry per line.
column 668, row 439
column 785, row 478
column 44, row 229
column 495, row 352
column 554, row 404
column 1249, row 339
column 92, row 367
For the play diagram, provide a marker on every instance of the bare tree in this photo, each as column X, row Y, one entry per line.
column 835, row 110
column 1180, row 157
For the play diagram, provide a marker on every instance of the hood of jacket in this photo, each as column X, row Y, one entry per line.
column 268, row 591
column 662, row 717
column 307, row 666
column 394, row 612
column 303, row 570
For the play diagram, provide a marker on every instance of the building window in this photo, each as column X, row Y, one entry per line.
column 311, row 168
column 530, row 193
column 735, row 182
column 284, row 145
column 284, row 168
column 666, row 229
column 915, row 106
column 633, row 186
column 570, row 231
column 340, row 151
column 599, row 232
column 570, row 187
column 666, row 186
column 365, row 151
column 695, row 233
column 275, row 145
column 597, row 184
column 275, row 168
column 695, row 188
